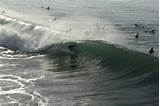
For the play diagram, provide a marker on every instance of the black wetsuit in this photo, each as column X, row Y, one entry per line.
column 137, row 35
column 151, row 51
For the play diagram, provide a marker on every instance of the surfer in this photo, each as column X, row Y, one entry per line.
column 136, row 25
column 73, row 57
column 137, row 35
column 151, row 51
column 152, row 31
column 72, row 48
column 48, row 8
column 2, row 11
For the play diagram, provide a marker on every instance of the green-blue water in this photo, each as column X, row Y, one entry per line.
column 100, row 74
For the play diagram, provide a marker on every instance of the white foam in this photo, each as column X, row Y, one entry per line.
column 22, row 88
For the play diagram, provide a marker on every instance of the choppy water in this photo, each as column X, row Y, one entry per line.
column 107, row 69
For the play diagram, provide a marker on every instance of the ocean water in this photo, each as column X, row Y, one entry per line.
column 107, row 66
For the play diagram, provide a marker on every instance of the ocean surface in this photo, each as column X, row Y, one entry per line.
column 79, row 53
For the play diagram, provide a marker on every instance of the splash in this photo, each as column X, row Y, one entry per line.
column 25, row 36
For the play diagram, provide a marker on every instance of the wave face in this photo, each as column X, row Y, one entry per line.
column 114, row 75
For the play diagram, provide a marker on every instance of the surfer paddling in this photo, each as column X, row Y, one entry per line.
column 48, row 8
column 152, row 31
column 136, row 25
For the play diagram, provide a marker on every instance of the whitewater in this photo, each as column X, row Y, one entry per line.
column 108, row 66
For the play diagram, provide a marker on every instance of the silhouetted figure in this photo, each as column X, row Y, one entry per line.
column 48, row 8
column 73, row 61
column 137, row 35
column 152, row 31
column 2, row 11
column 72, row 48
column 151, row 51
column 136, row 25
